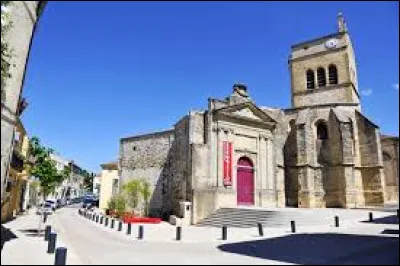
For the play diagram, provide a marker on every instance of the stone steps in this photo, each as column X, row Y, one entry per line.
column 247, row 217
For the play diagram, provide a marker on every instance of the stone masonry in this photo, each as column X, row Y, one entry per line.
column 322, row 152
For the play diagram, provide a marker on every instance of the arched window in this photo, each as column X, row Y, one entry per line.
column 321, row 77
column 333, row 76
column 322, row 130
column 310, row 79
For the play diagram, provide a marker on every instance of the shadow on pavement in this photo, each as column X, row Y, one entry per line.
column 392, row 219
column 6, row 235
column 32, row 232
column 390, row 231
column 322, row 249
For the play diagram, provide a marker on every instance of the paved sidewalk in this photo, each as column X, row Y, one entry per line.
column 23, row 245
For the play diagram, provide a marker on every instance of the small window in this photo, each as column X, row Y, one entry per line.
column 310, row 79
column 386, row 157
column 321, row 77
column 333, row 76
column 322, row 131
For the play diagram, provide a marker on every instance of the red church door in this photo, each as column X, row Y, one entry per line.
column 245, row 182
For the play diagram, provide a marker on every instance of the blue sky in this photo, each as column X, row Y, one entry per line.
column 100, row 71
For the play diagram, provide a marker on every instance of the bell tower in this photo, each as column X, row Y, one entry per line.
column 323, row 71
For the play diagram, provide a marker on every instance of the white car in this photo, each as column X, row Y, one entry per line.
column 53, row 204
column 44, row 208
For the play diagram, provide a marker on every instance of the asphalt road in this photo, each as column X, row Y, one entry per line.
column 93, row 244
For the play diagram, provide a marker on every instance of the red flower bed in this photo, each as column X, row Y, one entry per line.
column 147, row 220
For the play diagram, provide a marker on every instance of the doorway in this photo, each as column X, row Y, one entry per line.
column 245, row 182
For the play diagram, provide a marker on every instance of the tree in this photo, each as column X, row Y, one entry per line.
column 146, row 194
column 6, row 52
column 44, row 168
column 132, row 188
column 88, row 180
column 138, row 191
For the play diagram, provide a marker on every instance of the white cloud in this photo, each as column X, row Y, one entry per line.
column 366, row 92
column 396, row 86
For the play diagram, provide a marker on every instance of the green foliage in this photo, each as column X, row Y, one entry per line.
column 66, row 172
column 6, row 52
column 111, row 204
column 132, row 188
column 40, row 8
column 146, row 193
column 120, row 205
column 88, row 180
column 44, row 168
column 137, row 190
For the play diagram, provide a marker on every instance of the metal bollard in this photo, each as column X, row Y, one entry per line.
column 61, row 256
column 371, row 217
column 293, row 225
column 106, row 222
column 260, row 229
column 336, row 221
column 45, row 217
column 112, row 223
column 47, row 233
column 141, row 232
column 129, row 229
column 97, row 218
column 120, row 226
column 51, row 246
column 224, row 232
column 101, row 219
column 178, row 233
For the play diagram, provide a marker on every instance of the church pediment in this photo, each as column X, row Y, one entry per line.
column 246, row 111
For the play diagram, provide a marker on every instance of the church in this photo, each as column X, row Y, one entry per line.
column 320, row 153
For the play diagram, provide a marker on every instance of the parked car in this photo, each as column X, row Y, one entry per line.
column 87, row 202
column 53, row 204
column 44, row 208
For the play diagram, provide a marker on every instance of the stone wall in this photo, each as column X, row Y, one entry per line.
column 367, row 141
column 371, row 168
column 390, row 152
column 181, row 181
column 149, row 156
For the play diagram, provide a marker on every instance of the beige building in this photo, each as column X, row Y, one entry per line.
column 321, row 152
column 96, row 185
column 109, row 184
column 17, row 187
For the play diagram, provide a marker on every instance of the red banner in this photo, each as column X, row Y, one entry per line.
column 227, row 150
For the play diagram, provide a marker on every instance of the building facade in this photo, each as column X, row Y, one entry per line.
column 96, row 185
column 17, row 186
column 24, row 16
column 109, row 183
column 321, row 152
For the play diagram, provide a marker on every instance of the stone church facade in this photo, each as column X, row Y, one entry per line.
column 322, row 152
